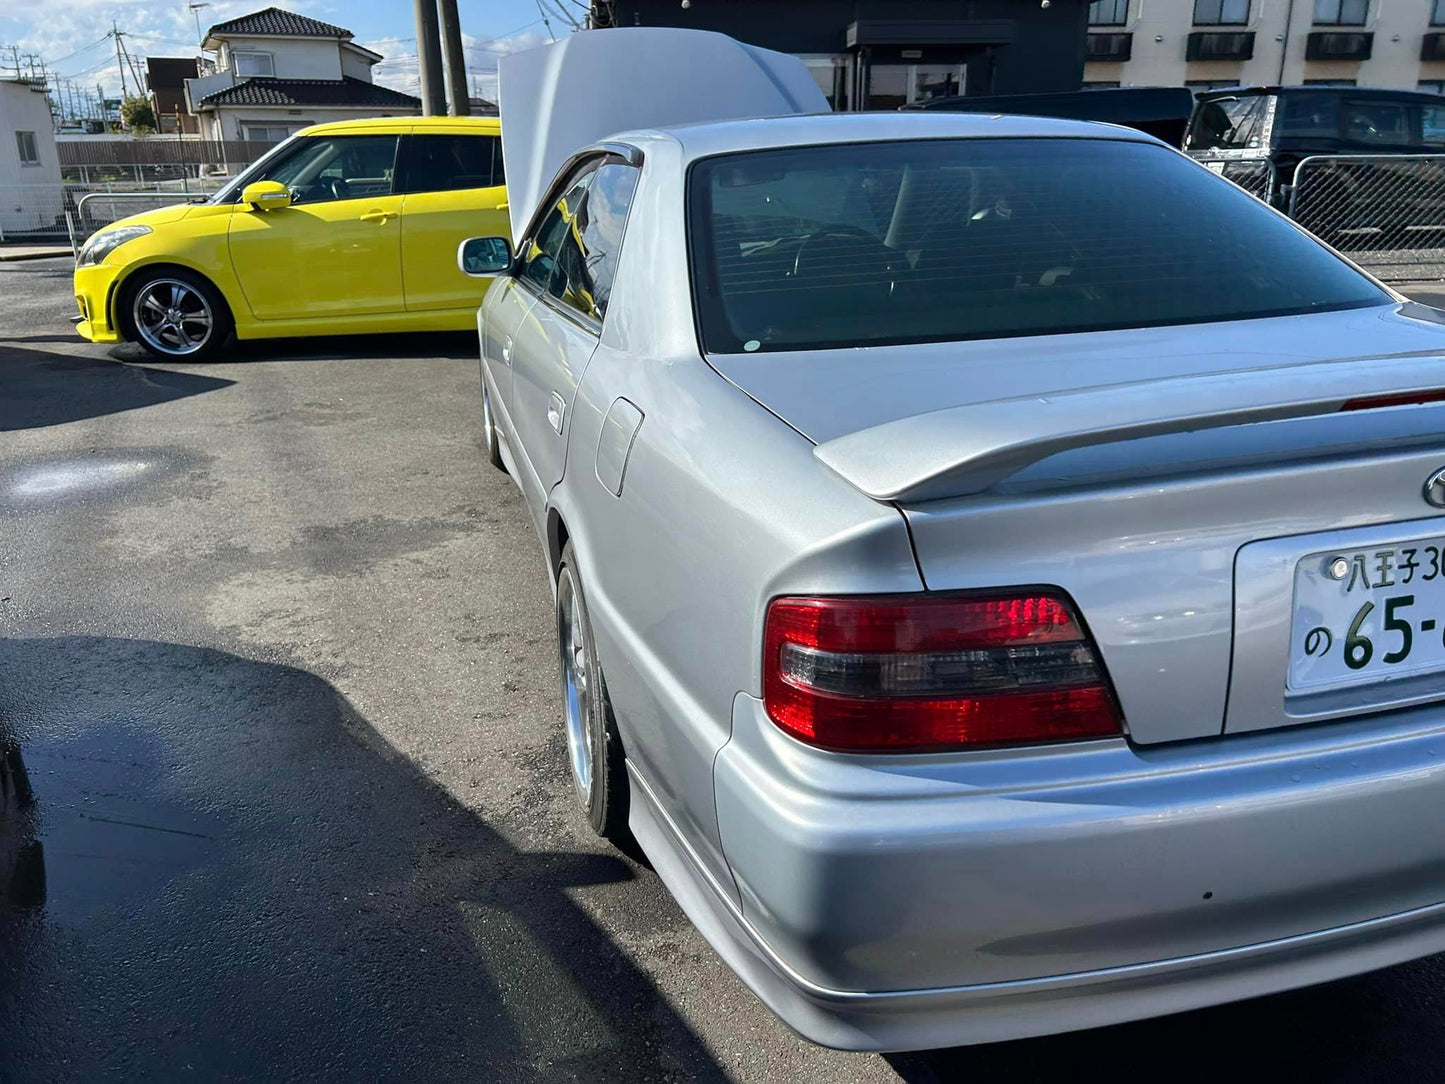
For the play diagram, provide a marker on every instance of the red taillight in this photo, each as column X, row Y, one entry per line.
column 1409, row 398
column 906, row 673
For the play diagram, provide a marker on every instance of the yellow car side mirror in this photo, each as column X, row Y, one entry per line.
column 266, row 195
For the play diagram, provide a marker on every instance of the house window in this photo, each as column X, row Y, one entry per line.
column 1342, row 12
column 269, row 133
column 1210, row 84
column 1329, row 82
column 1431, row 86
column 25, row 143
column 1111, row 12
column 253, row 64
column 1102, row 84
column 1437, row 13
column 1221, row 12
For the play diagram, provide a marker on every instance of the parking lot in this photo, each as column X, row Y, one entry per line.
column 278, row 647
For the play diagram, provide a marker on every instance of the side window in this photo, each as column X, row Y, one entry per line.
column 1377, row 122
column 604, row 215
column 1432, row 125
column 1308, row 115
column 574, row 254
column 542, row 260
column 330, row 168
column 447, row 163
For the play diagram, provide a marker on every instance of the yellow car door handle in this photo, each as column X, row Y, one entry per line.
column 377, row 216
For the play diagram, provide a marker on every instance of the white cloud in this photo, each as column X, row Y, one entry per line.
column 400, row 69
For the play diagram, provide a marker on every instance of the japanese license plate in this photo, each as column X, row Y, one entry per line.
column 1364, row 616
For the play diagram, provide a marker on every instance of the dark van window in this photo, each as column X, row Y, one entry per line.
column 1308, row 116
column 444, row 163
column 935, row 240
column 1229, row 123
column 1432, row 125
column 1386, row 123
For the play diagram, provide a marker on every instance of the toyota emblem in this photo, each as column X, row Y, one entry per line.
column 1435, row 489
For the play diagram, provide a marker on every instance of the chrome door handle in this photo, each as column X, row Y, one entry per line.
column 507, row 350
column 377, row 216
column 556, row 407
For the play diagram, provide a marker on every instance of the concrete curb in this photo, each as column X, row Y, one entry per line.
column 8, row 255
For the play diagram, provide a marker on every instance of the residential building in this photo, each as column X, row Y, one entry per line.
column 273, row 72
column 1398, row 44
column 29, row 168
column 166, row 81
column 880, row 54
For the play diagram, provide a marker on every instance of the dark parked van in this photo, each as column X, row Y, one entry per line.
column 1257, row 136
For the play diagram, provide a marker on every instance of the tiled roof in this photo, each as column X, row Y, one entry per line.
column 301, row 92
column 274, row 21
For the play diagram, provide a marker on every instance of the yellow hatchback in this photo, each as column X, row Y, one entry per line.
column 346, row 228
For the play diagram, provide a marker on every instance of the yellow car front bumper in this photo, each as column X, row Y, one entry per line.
column 94, row 287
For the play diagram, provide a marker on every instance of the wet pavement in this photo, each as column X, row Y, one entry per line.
column 276, row 648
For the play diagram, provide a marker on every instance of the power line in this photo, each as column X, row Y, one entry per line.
column 77, row 52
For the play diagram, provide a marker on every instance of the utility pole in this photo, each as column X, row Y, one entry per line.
column 120, row 66
column 429, row 58
column 461, row 103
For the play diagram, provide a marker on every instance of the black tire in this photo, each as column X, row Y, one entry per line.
column 489, row 431
column 587, row 715
column 164, row 291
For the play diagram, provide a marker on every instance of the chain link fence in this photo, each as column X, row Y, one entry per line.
column 1387, row 212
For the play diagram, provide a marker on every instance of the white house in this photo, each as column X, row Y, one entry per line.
column 274, row 72
column 30, row 194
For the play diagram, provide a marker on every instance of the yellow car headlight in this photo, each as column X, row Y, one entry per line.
column 105, row 242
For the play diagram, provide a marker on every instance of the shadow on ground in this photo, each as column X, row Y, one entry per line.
column 38, row 388
column 436, row 344
column 244, row 880
column 1384, row 1026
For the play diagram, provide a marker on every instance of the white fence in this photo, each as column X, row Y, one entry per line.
column 69, row 213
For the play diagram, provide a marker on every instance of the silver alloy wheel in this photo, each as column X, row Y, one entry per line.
column 576, row 688
column 172, row 316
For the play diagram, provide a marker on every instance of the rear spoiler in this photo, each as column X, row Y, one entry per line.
column 966, row 449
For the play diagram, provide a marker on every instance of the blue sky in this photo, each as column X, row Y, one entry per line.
column 67, row 33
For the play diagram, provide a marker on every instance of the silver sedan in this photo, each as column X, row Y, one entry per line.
column 999, row 574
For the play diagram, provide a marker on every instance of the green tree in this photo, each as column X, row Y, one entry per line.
column 138, row 115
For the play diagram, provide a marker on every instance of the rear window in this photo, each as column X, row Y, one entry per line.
column 926, row 241
column 1229, row 124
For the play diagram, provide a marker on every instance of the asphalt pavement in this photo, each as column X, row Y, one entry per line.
column 277, row 647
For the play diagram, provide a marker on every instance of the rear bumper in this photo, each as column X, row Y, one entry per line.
column 893, row 903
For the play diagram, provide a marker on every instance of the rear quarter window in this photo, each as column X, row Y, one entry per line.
column 984, row 238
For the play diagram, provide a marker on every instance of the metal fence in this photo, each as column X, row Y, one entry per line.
column 69, row 213
column 1387, row 212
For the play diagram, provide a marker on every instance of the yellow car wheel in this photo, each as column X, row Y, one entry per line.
column 174, row 314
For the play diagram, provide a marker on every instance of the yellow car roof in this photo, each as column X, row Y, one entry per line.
column 480, row 125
